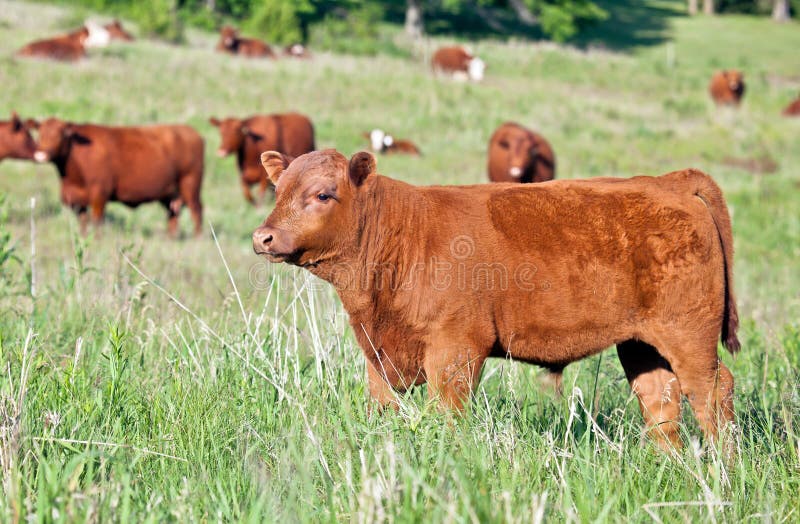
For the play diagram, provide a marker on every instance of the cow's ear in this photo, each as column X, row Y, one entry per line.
column 246, row 131
column 31, row 124
column 72, row 133
column 214, row 121
column 362, row 165
column 274, row 163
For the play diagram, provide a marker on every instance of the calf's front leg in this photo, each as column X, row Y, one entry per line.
column 452, row 370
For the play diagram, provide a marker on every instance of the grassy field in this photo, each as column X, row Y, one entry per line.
column 145, row 379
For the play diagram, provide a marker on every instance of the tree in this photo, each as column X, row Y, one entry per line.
column 780, row 10
column 692, row 7
column 708, row 7
column 413, row 25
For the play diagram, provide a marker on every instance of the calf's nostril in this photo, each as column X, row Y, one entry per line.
column 267, row 239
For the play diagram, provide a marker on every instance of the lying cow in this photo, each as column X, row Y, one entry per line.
column 289, row 133
column 517, row 154
column 15, row 140
column 296, row 51
column 132, row 165
column 438, row 279
column 458, row 62
column 793, row 109
column 727, row 87
column 69, row 47
column 231, row 42
column 380, row 142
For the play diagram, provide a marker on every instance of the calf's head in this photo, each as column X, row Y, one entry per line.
column 233, row 132
column 116, row 31
column 317, row 203
column 228, row 36
column 56, row 137
column 517, row 147
column 15, row 139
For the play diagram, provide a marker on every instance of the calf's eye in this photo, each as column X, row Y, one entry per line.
column 323, row 197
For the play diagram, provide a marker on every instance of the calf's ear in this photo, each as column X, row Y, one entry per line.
column 362, row 165
column 214, row 121
column 16, row 123
column 274, row 163
column 31, row 124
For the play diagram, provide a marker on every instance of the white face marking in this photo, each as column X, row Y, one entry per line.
column 297, row 49
column 228, row 42
column 98, row 35
column 222, row 152
column 40, row 156
column 516, row 172
column 388, row 140
column 476, row 69
column 376, row 139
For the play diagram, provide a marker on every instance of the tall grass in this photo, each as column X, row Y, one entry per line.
column 149, row 380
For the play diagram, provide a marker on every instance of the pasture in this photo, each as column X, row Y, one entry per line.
column 147, row 379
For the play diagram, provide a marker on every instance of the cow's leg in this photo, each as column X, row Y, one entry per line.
column 83, row 218
column 705, row 381
column 190, row 195
column 452, row 372
column 248, row 194
column 97, row 203
column 657, row 388
column 173, row 207
column 380, row 391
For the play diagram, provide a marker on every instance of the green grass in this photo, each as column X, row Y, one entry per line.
column 248, row 403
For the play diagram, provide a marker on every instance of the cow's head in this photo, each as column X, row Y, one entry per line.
column 476, row 69
column 116, row 31
column 55, row 139
column 315, row 219
column 233, row 132
column 379, row 141
column 15, row 139
column 518, row 147
column 735, row 80
column 228, row 36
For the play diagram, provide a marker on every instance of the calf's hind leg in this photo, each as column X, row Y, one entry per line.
column 190, row 195
column 706, row 382
column 657, row 388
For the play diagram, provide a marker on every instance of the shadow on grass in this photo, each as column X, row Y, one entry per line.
column 630, row 24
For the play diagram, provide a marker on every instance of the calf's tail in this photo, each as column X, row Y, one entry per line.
column 704, row 187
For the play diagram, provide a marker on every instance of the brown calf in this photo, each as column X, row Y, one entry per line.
column 15, row 140
column 380, row 142
column 66, row 48
column 727, row 87
column 517, row 154
column 438, row 279
column 131, row 165
column 231, row 42
column 459, row 62
column 289, row 133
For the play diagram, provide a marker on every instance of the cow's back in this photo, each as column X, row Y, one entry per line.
column 451, row 59
column 289, row 133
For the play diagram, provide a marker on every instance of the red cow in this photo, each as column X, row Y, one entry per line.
column 289, row 133
column 131, row 165
column 15, row 140
column 231, row 42
column 517, row 154
column 438, row 279
column 727, row 87
column 69, row 47
column 793, row 109
column 459, row 62
column 380, row 142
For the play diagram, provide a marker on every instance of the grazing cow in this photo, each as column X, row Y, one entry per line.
column 289, row 133
column 437, row 279
column 131, row 165
column 458, row 62
column 793, row 109
column 15, row 140
column 231, row 42
column 517, row 154
column 727, row 87
column 380, row 142
column 296, row 51
column 69, row 47
column 116, row 32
